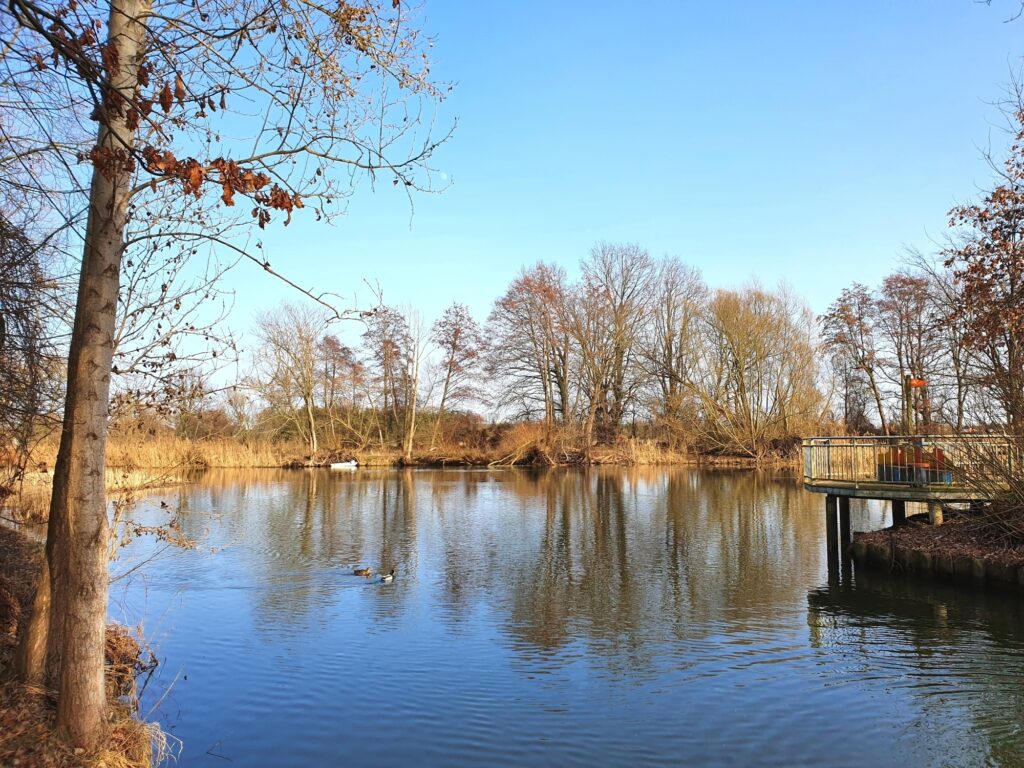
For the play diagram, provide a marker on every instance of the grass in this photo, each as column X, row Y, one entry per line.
column 137, row 462
column 174, row 453
column 166, row 452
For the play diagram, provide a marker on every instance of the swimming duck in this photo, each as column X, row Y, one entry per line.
column 387, row 578
column 363, row 572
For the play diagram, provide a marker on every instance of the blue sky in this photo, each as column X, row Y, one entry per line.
column 801, row 141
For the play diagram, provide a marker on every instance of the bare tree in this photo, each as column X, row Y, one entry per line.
column 394, row 343
column 461, row 343
column 988, row 265
column 530, row 349
column 848, row 329
column 290, row 362
column 670, row 351
column 342, row 384
column 618, row 280
column 412, row 360
column 910, row 333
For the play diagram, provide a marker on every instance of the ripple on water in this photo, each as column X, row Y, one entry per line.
column 599, row 618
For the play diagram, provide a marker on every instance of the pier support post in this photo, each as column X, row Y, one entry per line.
column 934, row 513
column 899, row 512
column 845, row 533
column 831, row 531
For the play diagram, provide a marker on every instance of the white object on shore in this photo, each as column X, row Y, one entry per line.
column 345, row 464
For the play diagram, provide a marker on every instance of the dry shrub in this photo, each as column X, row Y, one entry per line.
column 992, row 468
column 637, row 452
column 522, row 443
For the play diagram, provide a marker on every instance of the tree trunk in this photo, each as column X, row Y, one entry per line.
column 878, row 400
column 444, row 398
column 314, row 444
column 411, row 397
column 76, row 542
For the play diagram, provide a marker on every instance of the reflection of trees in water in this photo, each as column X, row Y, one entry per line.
column 607, row 556
column 288, row 529
column 626, row 556
column 950, row 648
column 466, row 542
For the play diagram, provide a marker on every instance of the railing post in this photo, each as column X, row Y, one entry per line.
column 855, row 465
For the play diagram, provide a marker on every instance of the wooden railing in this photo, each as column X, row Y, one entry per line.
column 904, row 460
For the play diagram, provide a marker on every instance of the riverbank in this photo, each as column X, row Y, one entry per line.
column 953, row 552
column 28, row 713
column 139, row 462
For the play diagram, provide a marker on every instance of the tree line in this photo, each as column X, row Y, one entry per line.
column 641, row 347
column 636, row 347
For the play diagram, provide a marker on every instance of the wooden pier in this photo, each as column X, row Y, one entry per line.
column 932, row 470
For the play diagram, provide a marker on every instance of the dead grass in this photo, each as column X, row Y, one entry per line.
column 27, row 736
column 167, row 452
column 137, row 462
column 637, row 452
column 175, row 453
column 31, row 503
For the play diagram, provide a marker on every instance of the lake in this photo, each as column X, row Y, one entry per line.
column 619, row 617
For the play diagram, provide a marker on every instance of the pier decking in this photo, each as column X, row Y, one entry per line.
column 898, row 469
column 903, row 468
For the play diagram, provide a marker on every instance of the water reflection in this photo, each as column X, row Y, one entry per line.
column 957, row 651
column 556, row 617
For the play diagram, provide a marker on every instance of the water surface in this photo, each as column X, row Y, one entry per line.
column 611, row 617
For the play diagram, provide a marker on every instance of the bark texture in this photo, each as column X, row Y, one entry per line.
column 69, row 616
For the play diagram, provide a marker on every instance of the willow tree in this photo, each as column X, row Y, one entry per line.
column 244, row 111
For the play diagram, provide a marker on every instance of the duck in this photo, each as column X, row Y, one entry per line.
column 363, row 572
column 387, row 578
